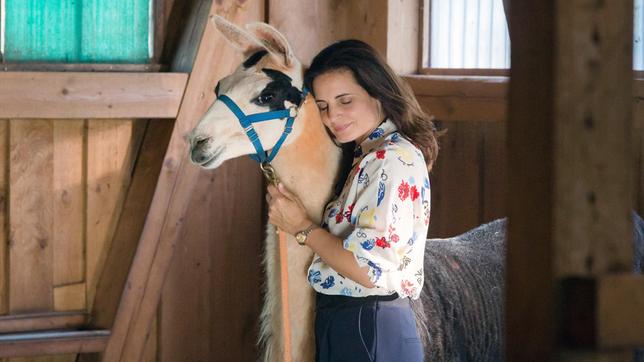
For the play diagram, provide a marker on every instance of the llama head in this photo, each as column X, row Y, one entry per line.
column 270, row 79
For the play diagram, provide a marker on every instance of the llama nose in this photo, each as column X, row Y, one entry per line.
column 200, row 152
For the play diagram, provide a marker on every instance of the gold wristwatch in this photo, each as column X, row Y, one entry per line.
column 301, row 236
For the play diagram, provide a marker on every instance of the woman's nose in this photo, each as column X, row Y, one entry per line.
column 333, row 112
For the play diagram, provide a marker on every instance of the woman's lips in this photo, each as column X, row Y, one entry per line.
column 339, row 129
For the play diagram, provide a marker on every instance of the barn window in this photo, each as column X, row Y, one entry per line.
column 466, row 34
column 638, row 36
column 473, row 34
column 76, row 31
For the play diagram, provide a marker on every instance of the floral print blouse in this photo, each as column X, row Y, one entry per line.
column 382, row 215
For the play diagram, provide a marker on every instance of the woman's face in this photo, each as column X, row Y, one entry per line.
column 346, row 108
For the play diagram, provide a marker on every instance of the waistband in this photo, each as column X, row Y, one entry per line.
column 335, row 301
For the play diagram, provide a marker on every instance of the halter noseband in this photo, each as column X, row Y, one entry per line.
column 247, row 121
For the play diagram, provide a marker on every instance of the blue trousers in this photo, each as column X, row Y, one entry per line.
column 365, row 329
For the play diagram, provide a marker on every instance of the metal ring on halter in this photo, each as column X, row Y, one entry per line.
column 269, row 173
column 292, row 111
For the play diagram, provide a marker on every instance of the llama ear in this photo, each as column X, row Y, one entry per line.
column 237, row 37
column 273, row 41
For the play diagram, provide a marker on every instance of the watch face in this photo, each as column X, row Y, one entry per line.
column 300, row 237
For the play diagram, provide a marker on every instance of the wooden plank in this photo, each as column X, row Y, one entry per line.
column 111, row 150
column 238, row 312
column 330, row 22
column 168, row 208
column 130, row 225
column 403, row 56
column 494, row 171
column 42, row 321
column 42, row 343
column 455, row 180
column 70, row 297
column 4, row 252
column 189, row 333
column 90, row 95
column 620, row 301
column 151, row 350
column 30, row 225
column 460, row 98
column 68, row 208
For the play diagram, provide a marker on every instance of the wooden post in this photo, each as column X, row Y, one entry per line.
column 570, row 165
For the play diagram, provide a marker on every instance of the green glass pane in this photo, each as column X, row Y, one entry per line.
column 42, row 30
column 88, row 31
column 115, row 31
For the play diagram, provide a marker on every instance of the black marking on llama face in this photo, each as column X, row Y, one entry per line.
column 278, row 91
column 254, row 59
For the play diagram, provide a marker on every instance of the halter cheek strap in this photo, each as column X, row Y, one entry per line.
column 247, row 121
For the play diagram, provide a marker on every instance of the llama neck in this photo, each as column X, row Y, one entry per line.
column 308, row 165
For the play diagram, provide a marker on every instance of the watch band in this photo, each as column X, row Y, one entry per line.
column 301, row 236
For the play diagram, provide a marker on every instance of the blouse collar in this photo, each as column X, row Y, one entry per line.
column 374, row 139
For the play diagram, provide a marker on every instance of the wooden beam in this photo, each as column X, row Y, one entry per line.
column 168, row 209
column 569, row 132
column 461, row 98
column 482, row 98
column 90, row 95
column 41, row 321
column 49, row 343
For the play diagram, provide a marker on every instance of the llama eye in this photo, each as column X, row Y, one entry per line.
column 263, row 99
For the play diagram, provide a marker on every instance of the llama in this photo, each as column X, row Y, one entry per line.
column 307, row 157
column 460, row 312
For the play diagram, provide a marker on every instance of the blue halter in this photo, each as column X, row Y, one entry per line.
column 247, row 121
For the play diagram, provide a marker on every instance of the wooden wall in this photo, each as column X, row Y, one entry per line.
column 62, row 183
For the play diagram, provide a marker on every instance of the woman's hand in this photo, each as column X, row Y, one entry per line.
column 285, row 210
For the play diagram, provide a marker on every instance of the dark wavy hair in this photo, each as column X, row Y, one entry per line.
column 374, row 75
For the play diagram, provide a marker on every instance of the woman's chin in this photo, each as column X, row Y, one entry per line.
column 344, row 138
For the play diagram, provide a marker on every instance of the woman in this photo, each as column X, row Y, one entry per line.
column 369, row 249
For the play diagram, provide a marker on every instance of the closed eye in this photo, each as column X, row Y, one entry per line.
column 345, row 100
column 322, row 106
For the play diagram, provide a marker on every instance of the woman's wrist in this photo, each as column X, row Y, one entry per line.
column 304, row 225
